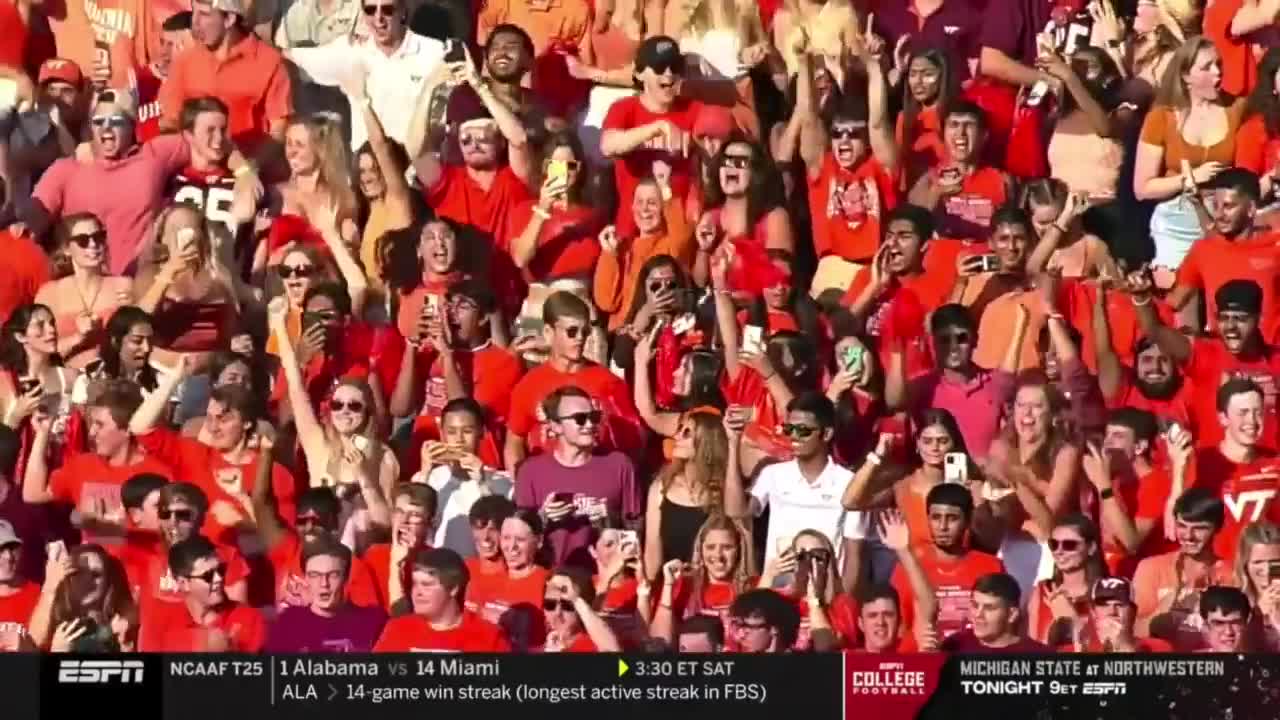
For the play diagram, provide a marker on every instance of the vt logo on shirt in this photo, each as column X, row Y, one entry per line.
column 854, row 201
column 1248, row 506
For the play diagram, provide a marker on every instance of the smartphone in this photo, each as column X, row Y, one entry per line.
column 26, row 385
column 741, row 413
column 684, row 323
column 1037, row 94
column 563, row 497
column 629, row 543
column 186, row 239
column 454, row 51
column 557, row 170
column 431, row 308
column 1171, row 429
column 955, row 468
column 990, row 263
column 56, row 549
column 753, row 340
column 851, row 359
column 1273, row 571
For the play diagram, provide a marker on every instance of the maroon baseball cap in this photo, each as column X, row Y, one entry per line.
column 60, row 70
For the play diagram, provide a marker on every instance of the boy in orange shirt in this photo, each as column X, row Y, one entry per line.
column 209, row 621
column 439, row 623
column 964, row 194
column 413, row 513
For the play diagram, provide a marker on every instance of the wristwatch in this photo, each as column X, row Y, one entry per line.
column 1107, row 494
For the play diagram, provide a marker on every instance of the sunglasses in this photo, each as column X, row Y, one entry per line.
column 798, row 431
column 846, row 133
column 296, row 271
column 85, row 240
column 1064, row 545
column 472, row 139
column 308, row 521
column 573, row 331
column 179, row 515
column 737, row 161
column 958, row 338
column 354, row 406
column 219, row 571
column 557, row 604
column 112, row 121
column 318, row 317
column 660, row 285
column 820, row 555
column 676, row 66
column 581, row 418
column 383, row 10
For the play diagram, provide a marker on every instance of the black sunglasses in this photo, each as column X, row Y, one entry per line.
column 660, row 285
column 354, row 406
column 820, row 555
column 220, row 570
column 798, row 431
column 573, row 331
column 85, row 240
column 298, row 271
column 557, row 604
column 318, row 317
column 309, row 520
column 383, row 10
column 581, row 418
column 737, row 161
column 846, row 133
column 1064, row 545
column 179, row 515
column 955, row 338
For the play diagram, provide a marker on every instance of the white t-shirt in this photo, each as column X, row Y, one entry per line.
column 394, row 81
column 454, row 500
column 799, row 505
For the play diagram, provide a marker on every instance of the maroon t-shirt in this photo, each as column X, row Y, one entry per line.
column 353, row 629
column 965, row 642
column 607, row 479
column 955, row 28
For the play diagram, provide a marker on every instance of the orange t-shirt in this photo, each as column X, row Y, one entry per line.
column 621, row 428
column 924, row 150
column 1143, row 499
column 1157, row 577
column 291, row 585
column 13, row 39
column 1213, row 261
column 1076, row 301
column 486, row 583
column 146, row 563
column 244, row 627
column 15, row 610
column 413, row 633
column 995, row 330
column 952, row 582
column 847, row 206
column 120, row 29
column 1247, row 489
column 86, row 477
column 377, row 558
column 516, row 607
column 1161, row 128
column 1211, row 365
column 489, row 371
column 1256, row 150
column 915, row 511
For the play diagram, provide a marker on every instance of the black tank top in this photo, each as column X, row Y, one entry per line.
column 680, row 524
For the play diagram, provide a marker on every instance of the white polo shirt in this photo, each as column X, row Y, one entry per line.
column 394, row 81
column 798, row 504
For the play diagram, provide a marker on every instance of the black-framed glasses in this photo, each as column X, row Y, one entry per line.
column 296, row 271
column 737, row 161
column 219, row 570
column 318, row 317
column 333, row 576
column 960, row 337
column 581, row 418
column 117, row 120
column 184, row 515
column 659, row 285
column 820, row 555
column 1068, row 545
column 354, row 406
column 86, row 240
column 557, row 604
column 383, row 10
column 798, row 431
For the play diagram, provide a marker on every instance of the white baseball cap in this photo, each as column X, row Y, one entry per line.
column 7, row 534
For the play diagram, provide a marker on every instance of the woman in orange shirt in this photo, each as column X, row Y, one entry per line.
column 1060, row 605
column 1258, row 142
column 719, row 571
column 929, row 86
column 516, row 607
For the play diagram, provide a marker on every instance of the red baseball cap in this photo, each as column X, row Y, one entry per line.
column 60, row 70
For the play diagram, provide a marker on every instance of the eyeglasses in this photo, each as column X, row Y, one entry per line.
column 1068, row 545
column 573, row 331
column 218, row 571
column 178, row 515
column 660, row 285
column 737, row 161
column 956, row 338
column 749, row 625
column 557, row 604
column 333, row 576
column 112, row 121
column 296, row 271
column 798, row 431
column 383, row 10
column 846, row 133
column 308, row 521
column 581, row 418
column 472, row 139
column 354, row 406
column 85, row 240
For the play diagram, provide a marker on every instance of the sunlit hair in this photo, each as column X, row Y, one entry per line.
column 60, row 260
column 833, row 570
column 1058, row 432
column 320, row 260
column 744, row 18
column 741, row 580
column 334, row 159
column 1254, row 534
column 159, row 251
column 1173, row 92
column 69, row 598
column 368, row 428
column 706, row 470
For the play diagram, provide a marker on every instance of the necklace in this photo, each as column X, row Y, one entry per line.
column 87, row 304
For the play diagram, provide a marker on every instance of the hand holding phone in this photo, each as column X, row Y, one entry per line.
column 955, row 468
column 753, row 340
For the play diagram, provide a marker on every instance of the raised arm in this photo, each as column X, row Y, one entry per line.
column 737, row 503
column 879, row 125
column 263, row 500
column 726, row 318
column 352, row 274
column 310, row 433
column 1173, row 343
column 519, row 154
column 398, row 194
column 895, row 535
column 35, row 479
column 663, row 423
column 1110, row 370
column 858, row 494
column 156, row 405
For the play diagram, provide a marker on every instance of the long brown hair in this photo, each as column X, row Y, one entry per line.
column 1057, row 435
column 705, row 471
column 741, row 581
column 68, row 599
column 60, row 260
column 1172, row 92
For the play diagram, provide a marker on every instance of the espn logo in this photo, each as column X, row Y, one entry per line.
column 100, row 672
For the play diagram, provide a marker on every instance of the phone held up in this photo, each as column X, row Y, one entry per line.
column 753, row 340
column 955, row 468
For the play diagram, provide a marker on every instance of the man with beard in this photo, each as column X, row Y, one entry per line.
column 964, row 194
column 1238, row 350
column 996, row 616
column 650, row 133
column 399, row 65
column 508, row 56
column 975, row 396
column 232, row 64
column 1154, row 383
column 318, row 520
column 1132, row 489
column 1167, row 587
column 91, row 481
column 555, row 31
column 848, row 163
column 183, row 510
column 32, row 139
column 329, row 623
column 123, row 185
column 566, row 324
column 1239, row 469
column 1239, row 250
column 208, row 619
column 175, row 35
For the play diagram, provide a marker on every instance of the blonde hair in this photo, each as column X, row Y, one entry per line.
column 833, row 570
column 746, row 20
column 705, row 471
column 741, row 580
column 1254, row 534
column 1172, row 92
column 334, row 156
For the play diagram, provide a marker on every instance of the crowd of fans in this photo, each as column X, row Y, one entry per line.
column 696, row 325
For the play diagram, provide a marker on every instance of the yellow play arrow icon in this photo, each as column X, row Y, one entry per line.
column 623, row 667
